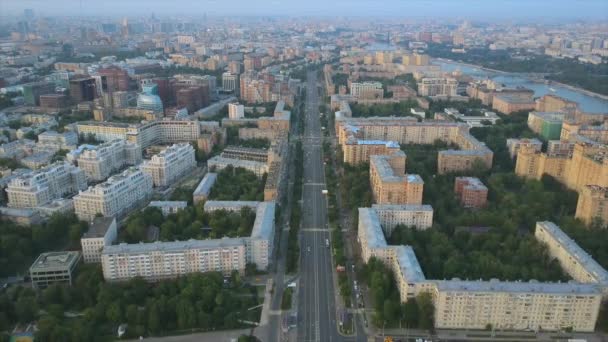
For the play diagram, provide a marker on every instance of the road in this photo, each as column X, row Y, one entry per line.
column 316, row 302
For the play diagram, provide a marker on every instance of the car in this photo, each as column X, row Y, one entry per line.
column 309, row 248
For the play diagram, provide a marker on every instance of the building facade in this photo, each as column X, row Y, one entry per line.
column 471, row 192
column 102, row 232
column 170, row 164
column 390, row 184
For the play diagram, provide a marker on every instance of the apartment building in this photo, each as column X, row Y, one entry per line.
column 230, row 82
column 101, row 161
column 66, row 141
column 437, row 86
column 203, row 189
column 512, row 102
column 587, row 165
column 170, row 164
column 219, row 163
column 471, row 192
column 236, row 111
column 41, row 187
column 410, row 131
column 546, row 124
column 367, row 90
column 356, row 151
column 573, row 259
column 160, row 260
column 144, row 134
column 102, row 232
column 592, row 204
column 390, row 184
column 114, row 197
column 554, row 103
column 515, row 305
column 169, row 207
column 477, row 304
column 514, row 145
column 246, row 153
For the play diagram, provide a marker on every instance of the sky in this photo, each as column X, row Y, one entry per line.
column 474, row 9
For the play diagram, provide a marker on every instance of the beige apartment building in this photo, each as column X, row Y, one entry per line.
column 512, row 102
column 499, row 304
column 102, row 232
column 114, row 197
column 437, row 86
column 592, row 204
column 390, row 184
column 554, row 103
column 162, row 260
column 144, row 134
column 101, row 161
column 471, row 192
column 359, row 151
column 514, row 145
column 410, row 131
column 41, row 187
column 170, row 164
column 367, row 90
column 572, row 258
column 586, row 166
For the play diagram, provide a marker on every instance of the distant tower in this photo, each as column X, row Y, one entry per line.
column 125, row 26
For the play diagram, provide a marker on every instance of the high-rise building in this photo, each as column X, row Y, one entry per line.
column 170, row 164
column 115, row 197
column 437, row 86
column 33, row 91
column 101, row 161
column 116, row 79
column 236, row 111
column 593, row 204
column 82, row 89
column 367, row 90
column 43, row 186
column 390, row 184
column 230, row 82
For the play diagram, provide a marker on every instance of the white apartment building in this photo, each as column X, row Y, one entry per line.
column 101, row 161
column 102, row 232
column 230, row 205
column 230, row 81
column 170, row 164
column 160, row 260
column 203, row 189
column 236, row 111
column 434, row 86
column 169, row 207
column 367, row 90
column 66, row 141
column 411, row 215
column 514, row 145
column 114, row 197
column 43, row 186
column 219, row 163
column 145, row 134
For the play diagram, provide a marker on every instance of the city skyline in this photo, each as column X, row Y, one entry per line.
column 471, row 9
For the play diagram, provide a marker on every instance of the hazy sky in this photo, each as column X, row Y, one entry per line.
column 511, row 9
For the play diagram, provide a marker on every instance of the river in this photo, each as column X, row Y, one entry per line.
column 587, row 103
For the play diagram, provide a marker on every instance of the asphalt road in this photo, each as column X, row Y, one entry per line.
column 316, row 304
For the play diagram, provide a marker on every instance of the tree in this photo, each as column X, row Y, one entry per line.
column 26, row 309
column 426, row 310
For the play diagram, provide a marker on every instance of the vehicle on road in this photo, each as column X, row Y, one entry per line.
column 309, row 248
column 327, row 243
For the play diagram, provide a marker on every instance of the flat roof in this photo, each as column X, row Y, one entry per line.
column 368, row 220
column 171, row 246
column 408, row 263
column 530, row 287
column 99, row 227
column 575, row 251
column 263, row 226
column 204, row 187
column 55, row 261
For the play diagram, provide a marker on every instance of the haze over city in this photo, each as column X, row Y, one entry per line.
column 475, row 9
column 310, row 171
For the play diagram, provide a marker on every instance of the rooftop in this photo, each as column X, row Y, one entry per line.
column 533, row 286
column 410, row 267
column 204, row 187
column 99, row 227
column 575, row 251
column 172, row 246
column 55, row 261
